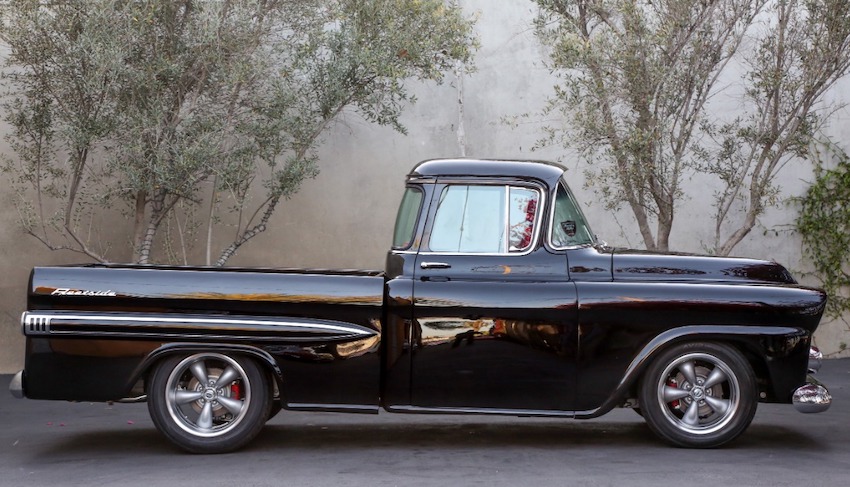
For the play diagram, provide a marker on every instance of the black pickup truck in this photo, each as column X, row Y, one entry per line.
column 496, row 299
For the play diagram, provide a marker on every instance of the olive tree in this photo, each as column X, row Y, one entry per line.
column 637, row 85
column 143, row 106
column 798, row 57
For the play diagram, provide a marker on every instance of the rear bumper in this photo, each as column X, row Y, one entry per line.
column 16, row 387
column 812, row 397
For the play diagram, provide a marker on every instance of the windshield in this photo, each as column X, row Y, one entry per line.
column 569, row 227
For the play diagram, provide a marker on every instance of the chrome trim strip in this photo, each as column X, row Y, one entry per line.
column 338, row 408
column 46, row 317
column 815, row 359
column 157, row 319
column 35, row 324
column 506, row 238
column 531, row 413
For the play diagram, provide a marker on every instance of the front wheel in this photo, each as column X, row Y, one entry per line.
column 699, row 395
column 209, row 402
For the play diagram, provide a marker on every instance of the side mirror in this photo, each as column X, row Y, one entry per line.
column 600, row 242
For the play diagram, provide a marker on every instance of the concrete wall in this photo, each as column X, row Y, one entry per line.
column 344, row 217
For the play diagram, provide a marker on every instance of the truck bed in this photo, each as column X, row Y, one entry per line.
column 82, row 317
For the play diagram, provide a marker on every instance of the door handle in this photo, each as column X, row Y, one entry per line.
column 434, row 265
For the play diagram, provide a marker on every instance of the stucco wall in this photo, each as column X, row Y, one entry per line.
column 343, row 218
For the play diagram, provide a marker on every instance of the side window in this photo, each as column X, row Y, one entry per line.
column 408, row 214
column 522, row 213
column 484, row 219
column 569, row 228
column 469, row 219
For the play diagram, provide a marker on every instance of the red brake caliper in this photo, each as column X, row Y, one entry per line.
column 236, row 390
column 672, row 383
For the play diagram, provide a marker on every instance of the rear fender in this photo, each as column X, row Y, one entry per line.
column 265, row 360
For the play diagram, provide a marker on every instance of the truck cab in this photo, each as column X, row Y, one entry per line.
column 478, row 281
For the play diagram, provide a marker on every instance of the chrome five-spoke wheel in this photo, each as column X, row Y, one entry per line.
column 206, row 395
column 699, row 394
column 209, row 402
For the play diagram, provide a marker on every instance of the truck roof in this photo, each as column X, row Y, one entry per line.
column 548, row 172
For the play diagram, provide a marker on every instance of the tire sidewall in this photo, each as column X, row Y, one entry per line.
column 652, row 407
column 250, row 425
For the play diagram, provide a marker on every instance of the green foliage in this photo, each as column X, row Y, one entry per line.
column 824, row 223
column 143, row 105
column 637, row 81
column 790, row 68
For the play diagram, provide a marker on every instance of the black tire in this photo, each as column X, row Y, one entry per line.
column 714, row 410
column 209, row 402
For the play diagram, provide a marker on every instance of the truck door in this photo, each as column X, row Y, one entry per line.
column 495, row 314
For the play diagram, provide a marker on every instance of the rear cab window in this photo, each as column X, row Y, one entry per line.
column 408, row 215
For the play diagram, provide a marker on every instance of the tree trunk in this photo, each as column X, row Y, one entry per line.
column 147, row 243
column 158, row 211
column 249, row 233
column 139, row 224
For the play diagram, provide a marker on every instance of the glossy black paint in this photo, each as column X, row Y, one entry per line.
column 543, row 171
column 118, row 316
column 495, row 339
column 560, row 332
column 620, row 320
column 641, row 266
column 521, row 333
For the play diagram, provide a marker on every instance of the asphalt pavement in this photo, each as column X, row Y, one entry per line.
column 96, row 444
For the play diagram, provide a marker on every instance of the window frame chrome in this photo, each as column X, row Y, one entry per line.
column 540, row 188
column 551, row 230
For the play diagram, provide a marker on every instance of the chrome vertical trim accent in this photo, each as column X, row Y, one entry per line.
column 36, row 324
column 815, row 360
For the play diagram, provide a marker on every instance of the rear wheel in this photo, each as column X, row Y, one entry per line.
column 699, row 395
column 209, row 402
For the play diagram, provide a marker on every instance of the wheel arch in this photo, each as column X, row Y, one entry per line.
column 266, row 362
column 754, row 343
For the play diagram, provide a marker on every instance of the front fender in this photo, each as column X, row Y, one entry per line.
column 784, row 351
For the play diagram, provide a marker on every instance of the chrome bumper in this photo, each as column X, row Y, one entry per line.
column 812, row 397
column 16, row 387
